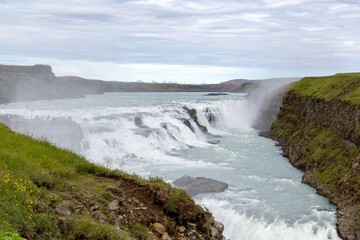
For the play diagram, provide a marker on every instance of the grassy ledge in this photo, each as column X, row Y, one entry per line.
column 341, row 86
column 50, row 193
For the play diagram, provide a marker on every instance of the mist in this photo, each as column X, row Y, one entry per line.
column 264, row 101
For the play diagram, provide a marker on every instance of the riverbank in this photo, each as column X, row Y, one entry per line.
column 318, row 128
column 50, row 193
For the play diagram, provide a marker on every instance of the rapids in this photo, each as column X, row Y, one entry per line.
column 144, row 133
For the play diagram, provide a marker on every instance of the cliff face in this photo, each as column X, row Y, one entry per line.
column 40, row 70
column 28, row 83
column 318, row 127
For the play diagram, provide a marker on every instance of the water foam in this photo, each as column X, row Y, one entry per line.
column 162, row 135
column 239, row 226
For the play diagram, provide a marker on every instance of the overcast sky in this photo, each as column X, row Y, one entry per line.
column 181, row 40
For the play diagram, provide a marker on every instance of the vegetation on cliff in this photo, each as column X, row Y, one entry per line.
column 50, row 193
column 341, row 86
column 318, row 127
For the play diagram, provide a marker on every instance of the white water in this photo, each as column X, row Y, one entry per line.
column 266, row 199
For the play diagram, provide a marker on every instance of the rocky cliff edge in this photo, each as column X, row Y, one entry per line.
column 318, row 128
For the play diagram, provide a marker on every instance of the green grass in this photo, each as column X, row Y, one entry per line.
column 84, row 227
column 32, row 174
column 342, row 86
column 10, row 236
column 37, row 177
column 138, row 231
column 177, row 201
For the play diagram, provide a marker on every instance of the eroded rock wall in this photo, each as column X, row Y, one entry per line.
column 322, row 138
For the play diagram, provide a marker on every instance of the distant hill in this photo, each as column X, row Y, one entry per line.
column 27, row 83
column 38, row 82
column 239, row 82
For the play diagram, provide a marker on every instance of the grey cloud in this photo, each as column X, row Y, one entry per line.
column 295, row 34
column 96, row 17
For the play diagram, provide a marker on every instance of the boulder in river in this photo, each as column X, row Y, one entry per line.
column 216, row 94
column 197, row 185
column 188, row 124
column 139, row 122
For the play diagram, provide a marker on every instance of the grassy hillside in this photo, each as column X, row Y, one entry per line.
column 50, row 193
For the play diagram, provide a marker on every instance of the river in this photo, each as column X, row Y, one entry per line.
column 144, row 133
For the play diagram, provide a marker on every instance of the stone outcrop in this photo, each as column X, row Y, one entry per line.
column 321, row 137
column 197, row 185
column 159, row 228
column 193, row 116
column 139, row 122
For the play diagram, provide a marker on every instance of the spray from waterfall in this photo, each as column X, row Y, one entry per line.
column 264, row 102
